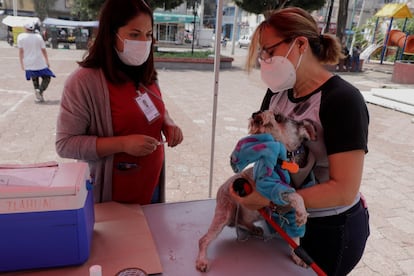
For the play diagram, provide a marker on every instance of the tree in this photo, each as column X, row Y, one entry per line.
column 328, row 18
column 89, row 9
column 266, row 6
column 342, row 18
column 42, row 7
column 165, row 4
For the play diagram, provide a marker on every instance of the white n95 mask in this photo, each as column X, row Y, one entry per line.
column 278, row 73
column 135, row 52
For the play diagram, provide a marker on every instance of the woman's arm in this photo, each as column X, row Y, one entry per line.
column 345, row 174
column 45, row 57
column 345, row 170
column 136, row 145
column 21, row 56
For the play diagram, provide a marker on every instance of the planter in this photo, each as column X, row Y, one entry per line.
column 184, row 63
column 340, row 67
column 403, row 72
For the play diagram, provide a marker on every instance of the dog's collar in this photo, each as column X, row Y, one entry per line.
column 299, row 150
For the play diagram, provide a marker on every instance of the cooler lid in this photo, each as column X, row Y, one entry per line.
column 41, row 179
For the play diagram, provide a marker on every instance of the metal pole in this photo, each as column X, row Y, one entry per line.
column 403, row 48
column 405, row 41
column 194, row 27
column 375, row 30
column 233, row 40
column 201, row 14
column 15, row 7
column 384, row 48
column 219, row 19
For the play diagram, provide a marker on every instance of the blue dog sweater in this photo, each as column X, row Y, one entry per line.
column 271, row 180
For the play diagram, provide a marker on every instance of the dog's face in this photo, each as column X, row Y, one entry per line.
column 289, row 132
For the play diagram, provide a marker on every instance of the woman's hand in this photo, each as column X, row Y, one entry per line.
column 252, row 201
column 139, row 145
column 172, row 132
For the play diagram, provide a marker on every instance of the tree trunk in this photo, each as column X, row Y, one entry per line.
column 342, row 18
column 328, row 20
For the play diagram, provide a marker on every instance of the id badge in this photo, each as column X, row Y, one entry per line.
column 147, row 106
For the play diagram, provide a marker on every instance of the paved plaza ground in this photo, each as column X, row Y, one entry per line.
column 28, row 134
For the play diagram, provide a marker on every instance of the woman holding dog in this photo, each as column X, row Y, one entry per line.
column 291, row 53
column 112, row 114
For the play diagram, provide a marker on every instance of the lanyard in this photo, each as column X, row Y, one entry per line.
column 148, row 91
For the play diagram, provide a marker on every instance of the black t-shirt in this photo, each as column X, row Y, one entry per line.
column 338, row 111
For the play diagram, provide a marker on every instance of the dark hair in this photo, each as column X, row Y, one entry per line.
column 294, row 22
column 101, row 54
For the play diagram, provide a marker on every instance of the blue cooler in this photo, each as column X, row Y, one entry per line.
column 46, row 215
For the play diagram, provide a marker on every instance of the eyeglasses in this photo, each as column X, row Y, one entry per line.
column 266, row 54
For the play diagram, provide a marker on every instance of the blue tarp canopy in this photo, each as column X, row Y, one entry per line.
column 160, row 17
column 69, row 23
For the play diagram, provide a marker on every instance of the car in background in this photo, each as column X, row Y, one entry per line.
column 244, row 41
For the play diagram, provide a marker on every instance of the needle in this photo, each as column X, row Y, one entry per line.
column 161, row 142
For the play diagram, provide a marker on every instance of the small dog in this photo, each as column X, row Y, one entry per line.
column 227, row 212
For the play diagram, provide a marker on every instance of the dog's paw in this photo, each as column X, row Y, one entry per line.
column 297, row 260
column 202, row 265
column 296, row 201
column 257, row 231
column 301, row 217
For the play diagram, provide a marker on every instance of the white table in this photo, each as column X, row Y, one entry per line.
column 177, row 227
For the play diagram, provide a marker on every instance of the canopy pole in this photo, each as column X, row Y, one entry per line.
column 15, row 9
column 219, row 17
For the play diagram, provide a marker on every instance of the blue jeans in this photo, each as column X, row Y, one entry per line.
column 336, row 243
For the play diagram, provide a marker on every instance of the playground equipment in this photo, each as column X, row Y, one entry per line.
column 403, row 70
column 402, row 40
column 394, row 11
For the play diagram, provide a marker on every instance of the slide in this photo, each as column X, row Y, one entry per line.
column 397, row 38
column 368, row 51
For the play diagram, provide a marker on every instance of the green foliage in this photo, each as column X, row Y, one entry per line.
column 186, row 54
column 309, row 5
column 42, row 7
column 409, row 27
column 408, row 58
column 369, row 27
column 165, row 4
column 266, row 6
column 87, row 9
column 258, row 7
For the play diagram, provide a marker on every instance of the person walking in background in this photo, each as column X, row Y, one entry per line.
column 112, row 113
column 292, row 54
column 345, row 60
column 34, row 60
column 356, row 51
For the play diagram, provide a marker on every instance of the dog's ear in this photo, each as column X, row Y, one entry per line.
column 307, row 130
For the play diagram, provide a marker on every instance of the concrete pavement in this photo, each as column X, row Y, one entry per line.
column 27, row 136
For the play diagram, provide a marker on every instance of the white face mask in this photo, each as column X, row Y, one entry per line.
column 135, row 52
column 278, row 73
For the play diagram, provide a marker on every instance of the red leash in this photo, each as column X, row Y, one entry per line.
column 299, row 251
column 242, row 187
